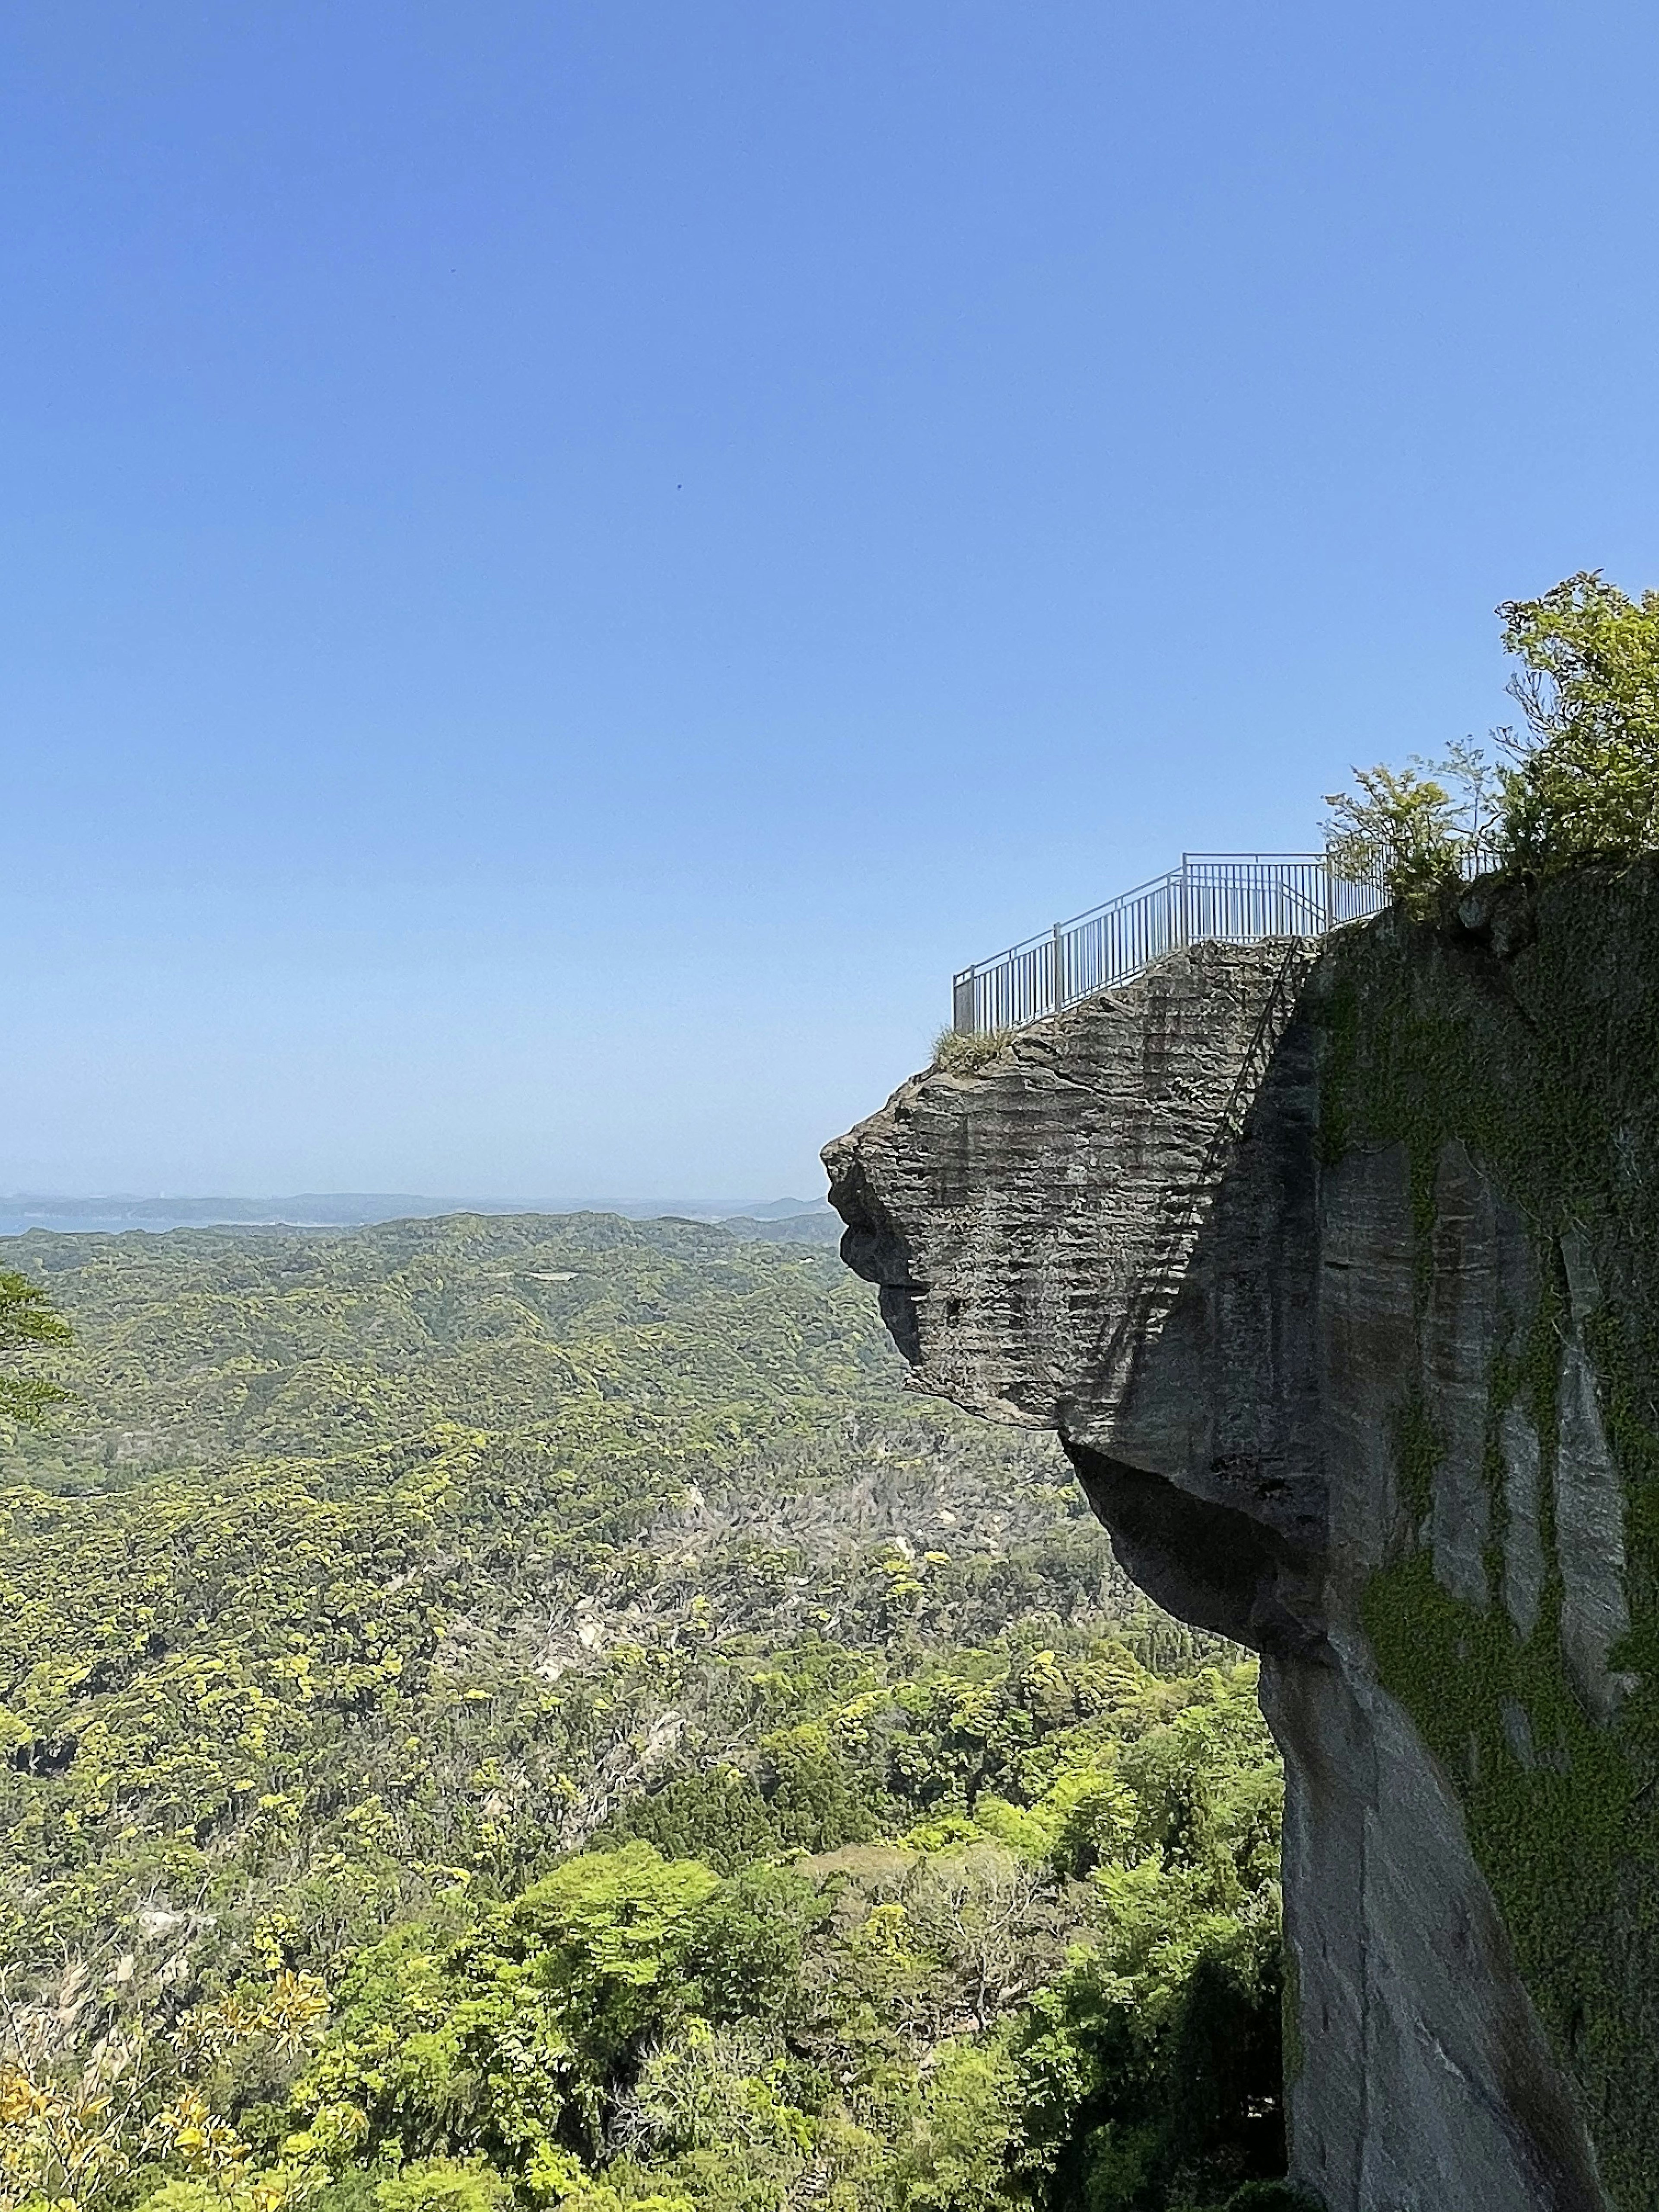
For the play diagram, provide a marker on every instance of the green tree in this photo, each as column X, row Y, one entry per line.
column 709, row 2088
column 720, row 1817
column 1150, row 2069
column 955, row 2156
column 1581, row 780
column 1417, row 829
column 744, row 1948
column 29, row 1322
column 442, row 2186
column 610, row 1932
column 1585, row 782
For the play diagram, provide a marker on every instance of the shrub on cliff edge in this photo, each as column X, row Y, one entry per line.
column 1580, row 782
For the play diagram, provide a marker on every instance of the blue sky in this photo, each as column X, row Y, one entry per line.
column 564, row 563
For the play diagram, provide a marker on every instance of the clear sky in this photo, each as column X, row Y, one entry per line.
column 565, row 562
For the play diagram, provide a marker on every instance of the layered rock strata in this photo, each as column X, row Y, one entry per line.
column 1337, row 1271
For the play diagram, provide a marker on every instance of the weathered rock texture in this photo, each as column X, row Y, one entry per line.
column 1339, row 1278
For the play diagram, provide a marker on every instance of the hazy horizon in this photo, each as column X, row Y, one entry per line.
column 43, row 1201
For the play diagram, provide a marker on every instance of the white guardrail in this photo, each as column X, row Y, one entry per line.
column 1238, row 897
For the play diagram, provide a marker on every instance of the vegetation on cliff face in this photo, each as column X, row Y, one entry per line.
column 1527, row 1038
column 524, row 1711
column 959, row 1051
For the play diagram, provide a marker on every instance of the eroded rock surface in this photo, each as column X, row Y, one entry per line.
column 1339, row 1278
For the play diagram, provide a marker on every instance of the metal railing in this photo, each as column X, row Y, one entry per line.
column 1238, row 897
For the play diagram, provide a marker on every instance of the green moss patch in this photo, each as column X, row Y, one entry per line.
column 1545, row 1067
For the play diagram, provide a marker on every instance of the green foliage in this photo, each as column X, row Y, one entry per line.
column 958, row 1052
column 442, row 2186
column 611, row 1929
column 1587, row 784
column 28, row 1320
column 691, row 1765
column 1151, row 2064
column 957, row 2152
column 747, row 1944
column 720, row 1817
column 185, row 2196
column 1582, row 782
column 962, row 2022
column 1421, row 830
column 148, row 2099
column 1402, row 829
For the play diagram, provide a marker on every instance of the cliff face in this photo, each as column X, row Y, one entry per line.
column 1339, row 1278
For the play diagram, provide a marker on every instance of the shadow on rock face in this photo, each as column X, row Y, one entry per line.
column 1168, row 1227
column 1206, row 1563
column 1045, row 1252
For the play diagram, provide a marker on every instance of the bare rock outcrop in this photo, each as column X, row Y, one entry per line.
column 1337, row 1271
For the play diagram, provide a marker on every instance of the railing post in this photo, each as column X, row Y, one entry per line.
column 1235, row 897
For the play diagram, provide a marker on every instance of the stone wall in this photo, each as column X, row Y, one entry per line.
column 1339, row 1278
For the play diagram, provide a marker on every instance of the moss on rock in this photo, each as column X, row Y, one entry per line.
column 1527, row 1031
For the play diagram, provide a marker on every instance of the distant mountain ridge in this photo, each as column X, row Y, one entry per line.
column 20, row 1211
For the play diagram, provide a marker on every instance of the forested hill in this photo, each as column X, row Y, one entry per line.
column 558, row 1644
column 223, row 1343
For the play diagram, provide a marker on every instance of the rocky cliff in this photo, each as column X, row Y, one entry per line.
column 1337, row 1271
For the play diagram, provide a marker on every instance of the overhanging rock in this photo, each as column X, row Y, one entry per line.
column 1337, row 1273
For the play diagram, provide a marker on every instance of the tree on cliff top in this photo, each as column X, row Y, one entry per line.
column 1585, row 781
column 1415, row 828
column 1580, row 782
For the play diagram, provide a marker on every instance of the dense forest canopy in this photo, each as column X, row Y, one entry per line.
column 524, row 1709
